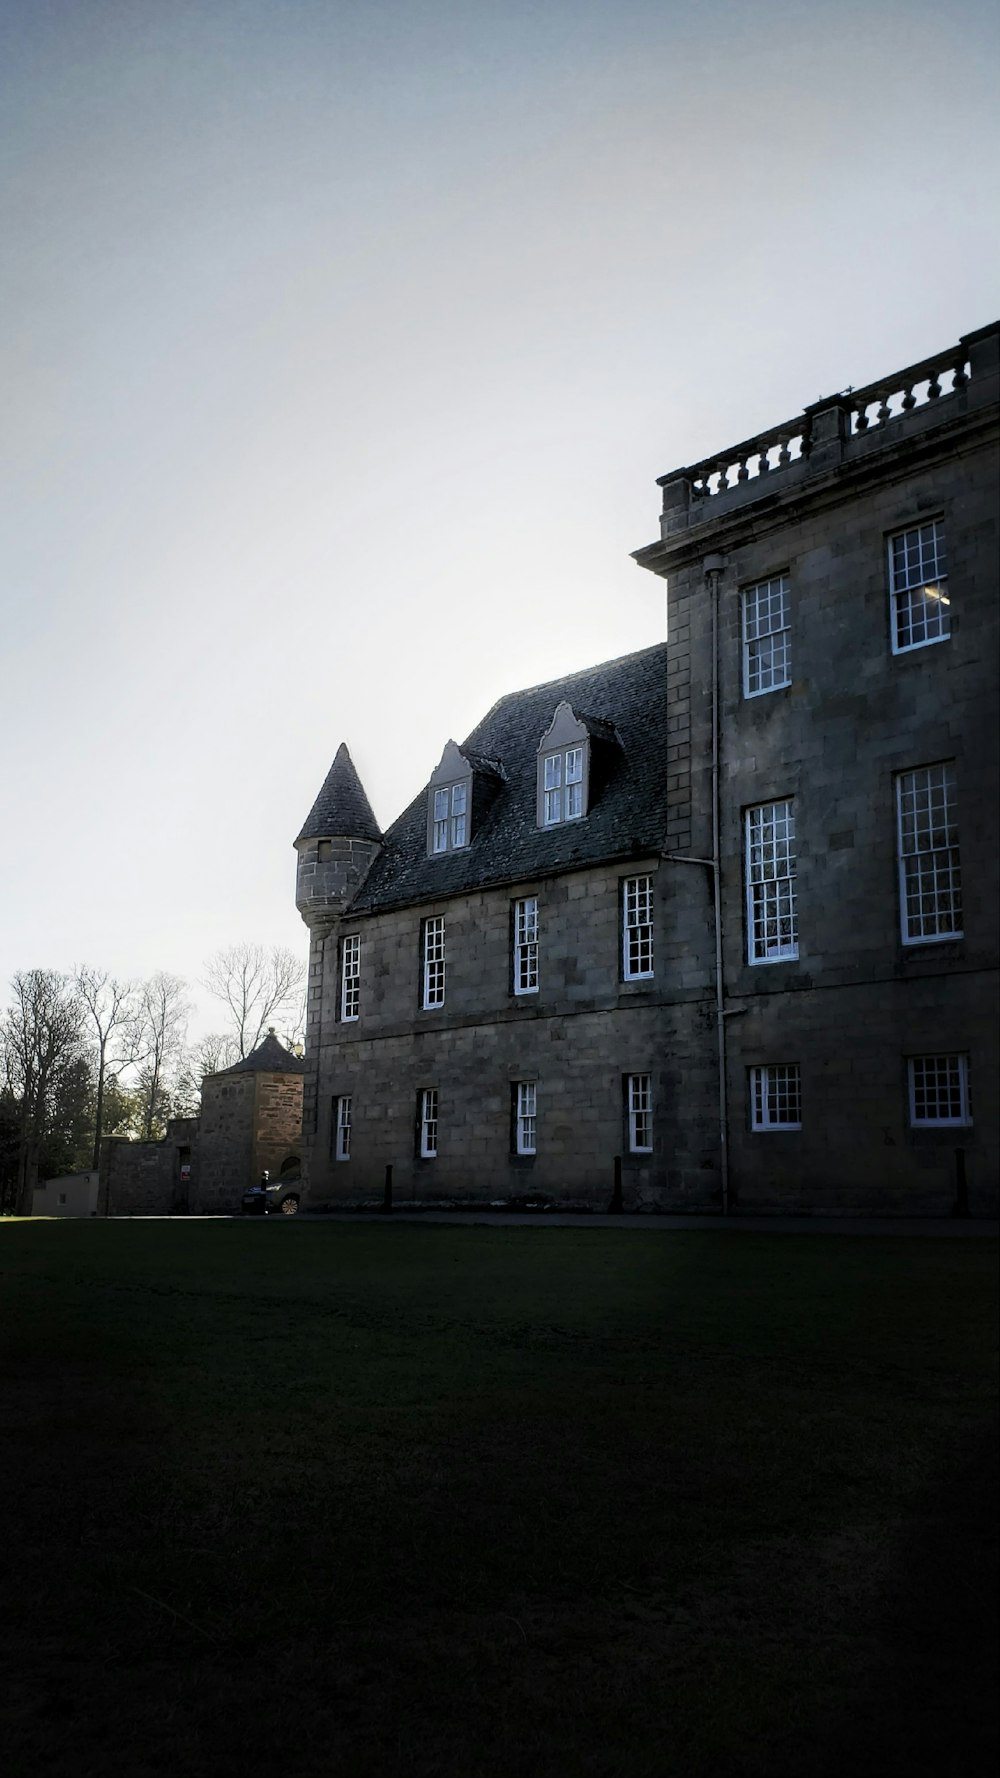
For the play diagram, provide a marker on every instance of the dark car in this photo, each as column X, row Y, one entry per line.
column 282, row 1196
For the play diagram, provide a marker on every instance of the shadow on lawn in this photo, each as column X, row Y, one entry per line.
column 929, row 1708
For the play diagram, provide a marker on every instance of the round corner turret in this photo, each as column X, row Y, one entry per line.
column 337, row 846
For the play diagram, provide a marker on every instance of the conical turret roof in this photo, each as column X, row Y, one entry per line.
column 341, row 808
column 270, row 1057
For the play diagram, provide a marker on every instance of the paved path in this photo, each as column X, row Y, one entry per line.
column 671, row 1225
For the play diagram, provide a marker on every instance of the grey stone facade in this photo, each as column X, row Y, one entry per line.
column 857, row 1002
column 814, row 503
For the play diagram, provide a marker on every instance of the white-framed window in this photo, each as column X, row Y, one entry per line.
column 433, row 961
column 342, row 1128
column 525, row 1115
column 562, row 786
column 451, row 817
column 930, row 881
column 640, row 1113
column 428, row 1123
column 637, row 927
column 767, row 637
column 920, row 605
column 772, row 924
column 350, row 977
column 526, row 945
column 776, row 1097
column 939, row 1090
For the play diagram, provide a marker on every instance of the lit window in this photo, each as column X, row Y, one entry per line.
column 350, row 977
column 526, row 946
column 637, row 927
column 640, row 1114
column 524, row 1117
column 776, row 1097
column 562, row 784
column 342, row 1129
column 766, row 637
column 433, row 962
column 918, row 587
column 939, row 1089
column 930, row 884
column 429, row 1123
column 772, row 927
column 451, row 817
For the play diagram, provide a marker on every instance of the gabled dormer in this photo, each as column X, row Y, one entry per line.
column 572, row 757
column 461, row 788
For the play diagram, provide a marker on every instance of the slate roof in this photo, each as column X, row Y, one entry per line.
column 625, row 705
column 341, row 809
column 270, row 1057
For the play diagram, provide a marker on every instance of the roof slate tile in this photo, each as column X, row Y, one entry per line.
column 625, row 698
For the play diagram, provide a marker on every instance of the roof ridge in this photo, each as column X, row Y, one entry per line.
column 525, row 691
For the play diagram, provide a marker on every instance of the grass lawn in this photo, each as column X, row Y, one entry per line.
column 465, row 1502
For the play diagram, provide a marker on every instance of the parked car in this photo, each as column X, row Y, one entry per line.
column 282, row 1197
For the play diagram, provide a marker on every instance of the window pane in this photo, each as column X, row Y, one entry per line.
column 553, row 771
column 770, row 869
column 918, row 583
column 930, row 886
column 939, row 1090
column 640, row 1113
column 775, row 1097
column 440, row 805
column 637, row 911
column 434, row 961
column 766, row 637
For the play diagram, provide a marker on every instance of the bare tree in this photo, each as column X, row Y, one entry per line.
column 41, row 1036
column 162, row 1023
column 213, row 1053
column 113, row 1012
column 258, row 987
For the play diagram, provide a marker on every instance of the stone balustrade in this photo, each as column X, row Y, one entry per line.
column 820, row 435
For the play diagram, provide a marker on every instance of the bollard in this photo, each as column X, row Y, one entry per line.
column 615, row 1206
column 387, row 1194
column 961, row 1204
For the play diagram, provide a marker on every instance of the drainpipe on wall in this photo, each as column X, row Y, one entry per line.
column 712, row 567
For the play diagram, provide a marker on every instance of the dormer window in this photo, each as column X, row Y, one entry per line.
column 449, row 803
column 563, row 769
column 562, row 780
column 451, row 817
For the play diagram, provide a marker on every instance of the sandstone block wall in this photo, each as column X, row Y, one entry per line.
column 146, row 1178
column 228, row 1122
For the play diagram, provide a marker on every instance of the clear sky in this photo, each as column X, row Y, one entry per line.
column 343, row 342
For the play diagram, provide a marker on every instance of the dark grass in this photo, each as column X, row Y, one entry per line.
column 424, row 1500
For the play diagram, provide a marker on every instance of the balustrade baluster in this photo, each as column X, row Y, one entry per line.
column 961, row 380
column 744, row 470
column 784, row 454
column 933, row 388
column 861, row 417
column 885, row 412
column 764, row 465
column 909, row 399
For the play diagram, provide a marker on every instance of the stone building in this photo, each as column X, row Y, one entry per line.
column 250, row 1121
column 726, row 908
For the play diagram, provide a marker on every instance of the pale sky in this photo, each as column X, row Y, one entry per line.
column 343, row 342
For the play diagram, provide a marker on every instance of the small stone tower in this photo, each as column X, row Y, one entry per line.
column 337, row 847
